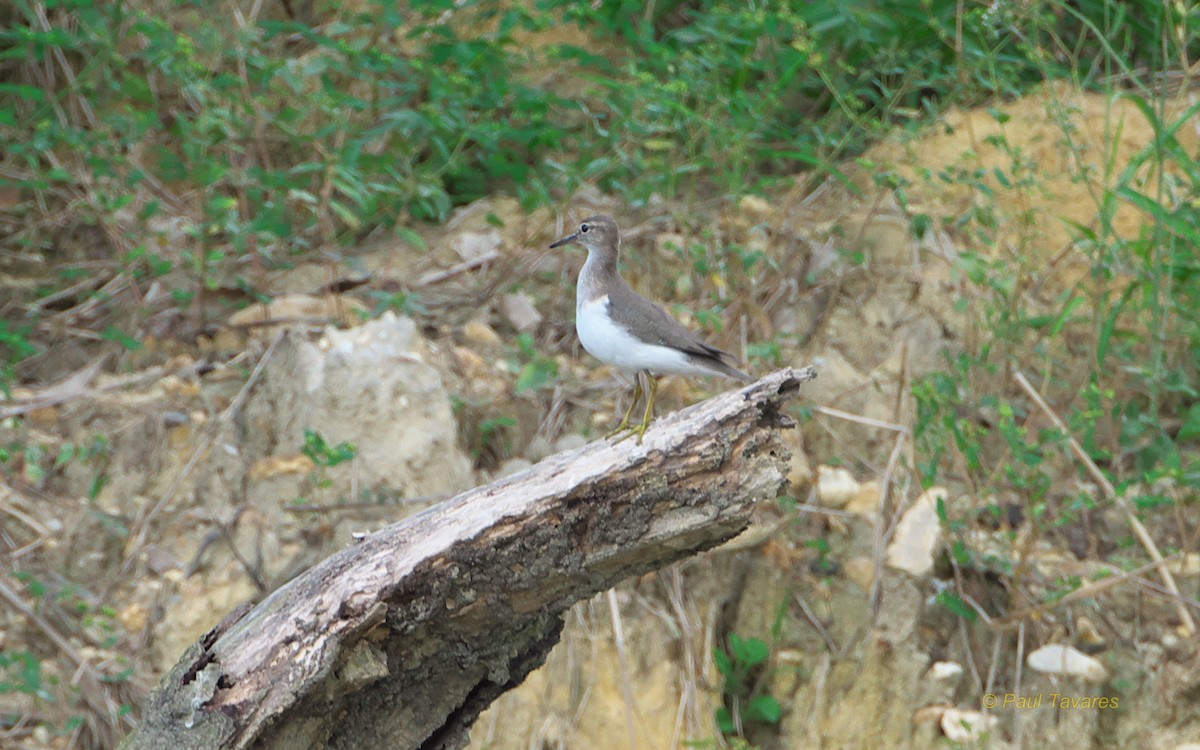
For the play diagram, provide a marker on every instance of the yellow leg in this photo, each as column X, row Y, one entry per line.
column 649, row 408
column 640, row 430
column 637, row 394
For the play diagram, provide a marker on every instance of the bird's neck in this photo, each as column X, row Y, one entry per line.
column 599, row 272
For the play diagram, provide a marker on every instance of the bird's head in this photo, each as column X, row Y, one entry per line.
column 595, row 233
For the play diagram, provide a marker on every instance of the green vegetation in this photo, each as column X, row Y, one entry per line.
column 158, row 156
column 206, row 151
column 325, row 456
column 535, row 370
column 742, row 669
column 1118, row 352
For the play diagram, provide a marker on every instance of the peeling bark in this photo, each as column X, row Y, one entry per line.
column 401, row 641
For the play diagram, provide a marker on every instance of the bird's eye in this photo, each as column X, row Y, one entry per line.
column 584, row 228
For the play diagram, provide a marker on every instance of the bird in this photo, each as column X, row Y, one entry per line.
column 618, row 326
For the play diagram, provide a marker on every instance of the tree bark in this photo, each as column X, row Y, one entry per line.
column 403, row 639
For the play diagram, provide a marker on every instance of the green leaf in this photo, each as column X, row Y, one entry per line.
column 65, row 454
column 33, row 93
column 411, row 237
column 955, row 604
column 1190, row 430
column 748, row 652
column 1175, row 221
column 1110, row 325
column 764, row 708
column 537, row 374
column 724, row 663
column 317, row 448
column 1071, row 306
column 112, row 333
column 724, row 720
column 348, row 217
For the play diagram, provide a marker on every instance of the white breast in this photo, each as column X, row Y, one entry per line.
column 610, row 343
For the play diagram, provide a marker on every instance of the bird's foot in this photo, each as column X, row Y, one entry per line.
column 640, row 430
column 628, row 432
column 637, row 394
column 631, row 430
column 623, row 427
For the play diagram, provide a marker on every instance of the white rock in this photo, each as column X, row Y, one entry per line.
column 1188, row 565
column 1066, row 660
column 520, row 311
column 755, row 207
column 569, row 442
column 917, row 535
column 372, row 387
column 538, row 449
column 512, row 466
column 835, row 486
column 861, row 571
column 479, row 332
column 944, row 670
column 960, row 725
column 472, row 245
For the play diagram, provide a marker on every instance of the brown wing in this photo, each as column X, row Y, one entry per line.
column 649, row 322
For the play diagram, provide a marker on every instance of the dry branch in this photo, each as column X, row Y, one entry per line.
column 402, row 640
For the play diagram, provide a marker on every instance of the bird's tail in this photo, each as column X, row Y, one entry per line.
column 721, row 368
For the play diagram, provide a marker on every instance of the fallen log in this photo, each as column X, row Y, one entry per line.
column 402, row 640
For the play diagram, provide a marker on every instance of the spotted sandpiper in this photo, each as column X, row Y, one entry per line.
column 620, row 327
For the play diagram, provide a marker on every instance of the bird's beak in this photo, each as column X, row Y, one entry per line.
column 566, row 240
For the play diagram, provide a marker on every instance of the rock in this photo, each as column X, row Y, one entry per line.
column 478, row 332
column 371, row 387
column 861, row 571
column 228, row 340
column 929, row 714
column 569, row 442
column 472, row 245
column 755, row 207
column 512, row 466
column 133, row 617
column 866, row 502
column 1088, row 638
column 836, row 486
column 1188, row 565
column 269, row 467
column 944, row 670
column 160, row 559
column 1063, row 660
column 917, row 535
column 471, row 365
column 966, row 726
column 519, row 310
column 538, row 449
